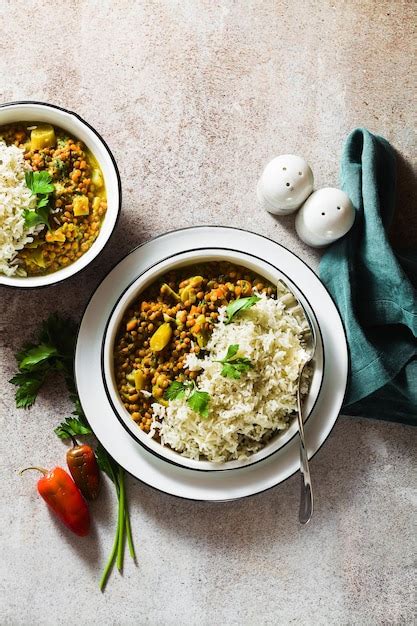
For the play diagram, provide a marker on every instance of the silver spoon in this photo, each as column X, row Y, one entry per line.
column 309, row 336
column 306, row 496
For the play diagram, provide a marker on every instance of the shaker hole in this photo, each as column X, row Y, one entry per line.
column 300, row 173
column 338, row 208
column 285, row 169
column 288, row 184
column 323, row 213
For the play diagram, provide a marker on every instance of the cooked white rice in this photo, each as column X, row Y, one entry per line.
column 15, row 197
column 243, row 413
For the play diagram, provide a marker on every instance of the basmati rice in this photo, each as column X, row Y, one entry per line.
column 15, row 197
column 243, row 413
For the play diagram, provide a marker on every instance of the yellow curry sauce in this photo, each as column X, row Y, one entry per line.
column 76, row 206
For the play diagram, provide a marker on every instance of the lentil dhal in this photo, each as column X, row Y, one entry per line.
column 77, row 204
column 173, row 317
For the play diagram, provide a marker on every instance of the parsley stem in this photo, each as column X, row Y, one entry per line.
column 113, row 476
column 110, row 562
column 126, row 515
column 129, row 536
column 121, row 520
column 118, row 544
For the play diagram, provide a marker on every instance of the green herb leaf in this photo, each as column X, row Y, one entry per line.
column 40, row 185
column 23, row 351
column 33, row 218
column 29, row 176
column 28, row 384
column 39, row 182
column 36, row 355
column 239, row 305
column 54, row 351
column 175, row 391
column 234, row 366
column 42, row 202
column 61, row 332
column 198, row 402
column 235, row 370
column 71, row 426
column 229, row 371
column 232, row 350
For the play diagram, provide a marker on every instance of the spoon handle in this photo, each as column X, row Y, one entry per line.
column 306, row 495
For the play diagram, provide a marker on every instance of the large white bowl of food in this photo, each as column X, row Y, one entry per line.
column 201, row 357
column 60, row 194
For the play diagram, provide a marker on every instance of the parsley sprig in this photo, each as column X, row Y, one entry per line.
column 72, row 426
column 197, row 400
column 54, row 352
column 40, row 184
column 239, row 305
column 233, row 365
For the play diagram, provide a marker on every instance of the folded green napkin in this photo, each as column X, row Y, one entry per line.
column 374, row 288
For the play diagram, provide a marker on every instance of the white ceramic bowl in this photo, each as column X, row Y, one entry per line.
column 189, row 258
column 42, row 112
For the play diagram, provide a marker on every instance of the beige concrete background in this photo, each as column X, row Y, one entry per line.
column 193, row 98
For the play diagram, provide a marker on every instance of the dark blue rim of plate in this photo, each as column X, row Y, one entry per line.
column 119, row 187
column 177, row 230
column 115, row 410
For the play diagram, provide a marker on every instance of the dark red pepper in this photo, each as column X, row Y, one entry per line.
column 62, row 495
column 83, row 466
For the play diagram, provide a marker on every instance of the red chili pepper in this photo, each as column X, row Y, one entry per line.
column 63, row 496
column 83, row 466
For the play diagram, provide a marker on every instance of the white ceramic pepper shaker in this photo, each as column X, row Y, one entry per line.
column 325, row 216
column 284, row 184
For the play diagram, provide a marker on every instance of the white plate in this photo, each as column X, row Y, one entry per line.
column 182, row 482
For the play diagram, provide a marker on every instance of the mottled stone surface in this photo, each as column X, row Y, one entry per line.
column 194, row 97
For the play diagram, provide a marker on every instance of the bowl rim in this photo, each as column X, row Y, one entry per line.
column 116, row 410
column 113, row 162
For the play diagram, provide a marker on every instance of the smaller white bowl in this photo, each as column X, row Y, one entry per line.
column 15, row 112
column 190, row 258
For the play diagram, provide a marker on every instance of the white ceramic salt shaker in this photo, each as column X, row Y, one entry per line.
column 325, row 216
column 284, row 184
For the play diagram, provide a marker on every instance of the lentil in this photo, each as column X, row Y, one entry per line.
column 157, row 356
column 71, row 166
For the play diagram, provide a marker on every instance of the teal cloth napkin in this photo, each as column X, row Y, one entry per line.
column 374, row 288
